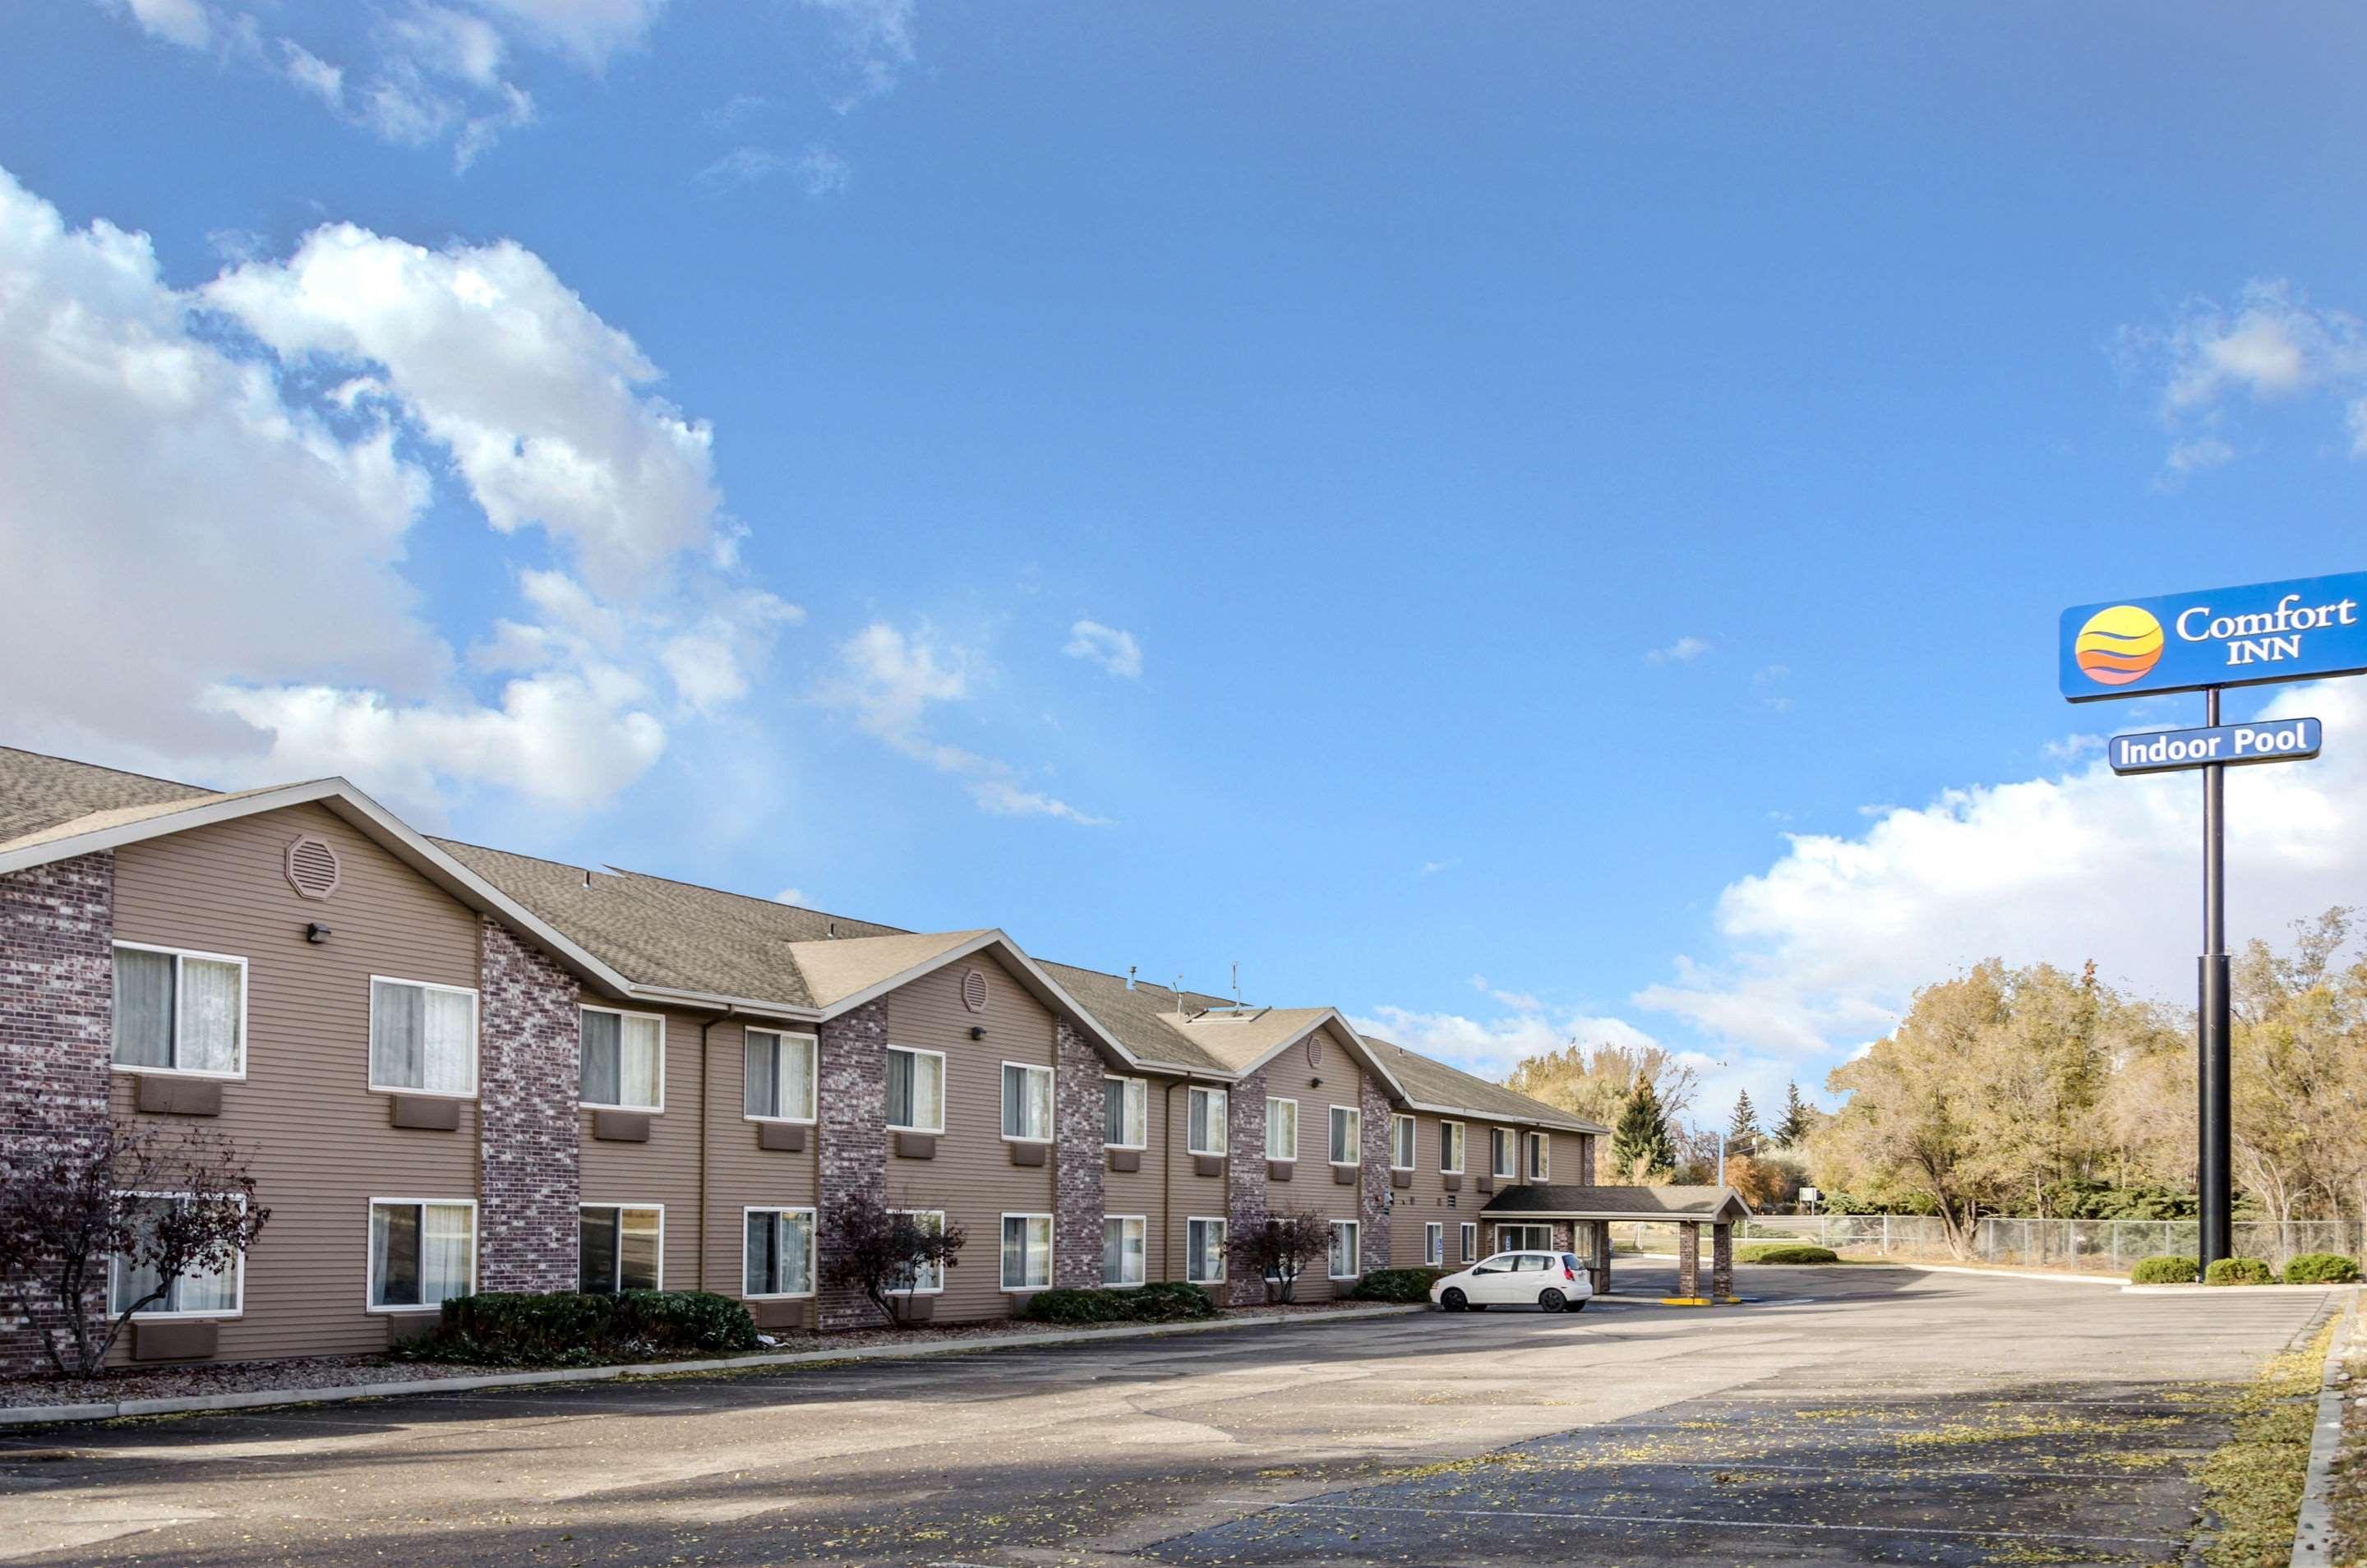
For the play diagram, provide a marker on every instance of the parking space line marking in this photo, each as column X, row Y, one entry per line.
column 1907, row 1531
column 1578, row 1465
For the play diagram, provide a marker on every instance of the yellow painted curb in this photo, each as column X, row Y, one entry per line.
column 1686, row 1302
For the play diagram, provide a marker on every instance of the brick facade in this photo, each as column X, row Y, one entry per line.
column 1078, row 1160
column 529, row 1028
column 853, row 1132
column 1373, row 1235
column 57, row 1028
column 1246, row 1201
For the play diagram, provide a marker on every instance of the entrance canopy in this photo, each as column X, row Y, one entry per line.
column 1664, row 1205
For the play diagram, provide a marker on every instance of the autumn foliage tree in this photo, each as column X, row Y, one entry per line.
column 1279, row 1250
column 881, row 1252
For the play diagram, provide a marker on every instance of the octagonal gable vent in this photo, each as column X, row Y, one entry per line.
column 313, row 867
column 973, row 989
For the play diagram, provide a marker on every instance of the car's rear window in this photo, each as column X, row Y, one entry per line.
column 1568, row 1262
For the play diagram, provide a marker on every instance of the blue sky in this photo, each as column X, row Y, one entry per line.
column 1566, row 508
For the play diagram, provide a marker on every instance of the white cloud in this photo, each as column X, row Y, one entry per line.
column 818, row 170
column 1432, row 867
column 877, row 35
column 1491, row 1047
column 2273, row 346
column 1114, row 650
column 1684, row 650
column 589, row 31
column 889, row 680
column 790, row 895
column 314, row 74
column 186, row 22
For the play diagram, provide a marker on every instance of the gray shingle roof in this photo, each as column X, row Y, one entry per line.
column 39, row 794
column 1620, row 1202
column 1142, row 1017
column 1432, row 1083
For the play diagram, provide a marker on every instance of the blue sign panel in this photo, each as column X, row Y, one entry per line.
column 2167, row 750
column 2221, row 637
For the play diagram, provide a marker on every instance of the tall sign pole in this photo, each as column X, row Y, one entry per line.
column 2256, row 635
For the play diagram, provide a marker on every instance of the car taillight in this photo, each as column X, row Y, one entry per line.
column 1567, row 1274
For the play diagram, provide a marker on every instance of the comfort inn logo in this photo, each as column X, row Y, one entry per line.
column 2118, row 645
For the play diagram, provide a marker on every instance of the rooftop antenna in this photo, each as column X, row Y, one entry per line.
column 1237, row 982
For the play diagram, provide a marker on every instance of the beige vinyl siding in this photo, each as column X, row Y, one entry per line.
column 740, row 1175
column 666, row 1170
column 1140, row 1192
column 1427, row 1199
column 1311, row 1190
column 319, row 1138
column 972, row 1178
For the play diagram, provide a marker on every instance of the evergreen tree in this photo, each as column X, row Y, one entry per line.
column 1742, row 1127
column 1795, row 1124
column 1640, row 1144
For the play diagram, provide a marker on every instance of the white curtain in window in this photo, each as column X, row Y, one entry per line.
column 1280, row 1129
column 446, row 1251
column 928, row 1091
column 763, row 1096
column 209, row 1015
column 797, row 1253
column 1205, row 1248
column 1343, row 1249
column 641, row 1063
column 1344, row 1136
column 797, row 1077
column 1028, row 1103
column 450, row 1048
column 396, row 1029
column 143, row 1007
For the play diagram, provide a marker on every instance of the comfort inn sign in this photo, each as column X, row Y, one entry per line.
column 2220, row 636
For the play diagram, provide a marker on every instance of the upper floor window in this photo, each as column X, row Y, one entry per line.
column 1282, row 1129
column 1540, row 1157
column 780, row 1076
column 1347, row 1135
column 1125, row 1113
column 1401, row 1143
column 1450, row 1147
column 1204, row 1121
column 1500, row 1153
column 916, row 1090
column 620, row 1249
column 180, row 1012
column 624, row 1060
column 423, row 1037
column 1026, row 1103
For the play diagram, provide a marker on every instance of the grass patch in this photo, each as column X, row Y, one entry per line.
column 2252, row 1486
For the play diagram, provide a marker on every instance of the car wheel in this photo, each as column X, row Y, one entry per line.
column 1553, row 1301
column 1454, row 1300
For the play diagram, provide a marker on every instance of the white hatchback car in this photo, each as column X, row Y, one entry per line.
column 1552, row 1282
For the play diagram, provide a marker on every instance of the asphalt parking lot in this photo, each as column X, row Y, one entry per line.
column 1850, row 1415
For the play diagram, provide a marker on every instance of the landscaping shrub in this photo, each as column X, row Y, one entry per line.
column 2239, row 1271
column 1169, row 1303
column 2321, row 1268
column 1787, row 1252
column 2164, row 1268
column 565, row 1328
column 1397, row 1284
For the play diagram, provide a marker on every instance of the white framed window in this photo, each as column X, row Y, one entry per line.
column 1026, row 1103
column 1525, row 1238
column 916, row 1090
column 1450, row 1147
column 1500, row 1153
column 421, row 1251
column 1203, row 1251
column 1204, row 1121
column 1347, row 1135
column 1026, row 1252
column 927, row 1278
column 1282, row 1129
column 1540, row 1156
column 423, row 1038
column 200, row 1292
column 1470, row 1229
column 179, row 1012
column 619, row 1247
column 1345, row 1262
column 1401, row 1143
column 779, row 1084
column 1433, row 1244
column 623, row 1060
column 1122, row 1249
column 1125, row 1113
column 776, row 1252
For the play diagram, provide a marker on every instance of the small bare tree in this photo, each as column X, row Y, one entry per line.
column 880, row 1251
column 1279, row 1250
column 160, row 1206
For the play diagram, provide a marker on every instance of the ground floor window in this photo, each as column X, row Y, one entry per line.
column 1433, row 1244
column 1530, row 1238
column 1470, row 1241
column 927, row 1278
column 206, row 1292
column 1346, row 1263
column 777, row 1253
column 1203, row 1251
column 1026, row 1252
column 421, row 1252
column 619, row 1247
column 1122, row 1249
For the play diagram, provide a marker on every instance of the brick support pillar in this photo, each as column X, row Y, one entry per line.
column 57, row 1031
column 1077, row 1162
column 1721, row 1261
column 1374, row 1235
column 1246, row 1195
column 1689, row 1258
column 529, row 1028
column 852, row 1140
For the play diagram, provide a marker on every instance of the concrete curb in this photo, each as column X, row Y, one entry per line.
column 254, row 1399
column 2063, row 1278
column 2314, row 1526
column 2219, row 1289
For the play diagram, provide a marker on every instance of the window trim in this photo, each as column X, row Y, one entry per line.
column 1433, row 1257
column 936, row 1290
column 1270, row 1102
column 1144, row 1220
column 1356, row 1120
column 476, row 1239
column 943, row 1078
column 1470, row 1240
column 1145, row 1083
column 1355, row 1252
column 1225, row 1133
column 157, row 1314
column 1511, row 1169
column 620, row 1207
column 1536, row 1156
column 657, row 1110
column 813, row 1250
column 1051, row 1263
column 1462, row 1146
column 1003, row 1080
column 813, row 1077
column 179, row 953
column 476, row 1041
column 1404, row 1130
column 1224, row 1252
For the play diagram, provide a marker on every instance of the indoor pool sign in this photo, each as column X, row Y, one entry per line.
column 2221, row 637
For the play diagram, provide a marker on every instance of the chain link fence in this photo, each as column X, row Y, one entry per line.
column 2098, row 1246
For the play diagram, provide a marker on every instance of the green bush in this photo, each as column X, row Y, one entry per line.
column 1168, row 1302
column 1397, row 1284
column 565, row 1328
column 2164, row 1268
column 2321, row 1268
column 1787, row 1252
column 2239, row 1271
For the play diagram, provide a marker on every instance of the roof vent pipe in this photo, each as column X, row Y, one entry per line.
column 1129, row 976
